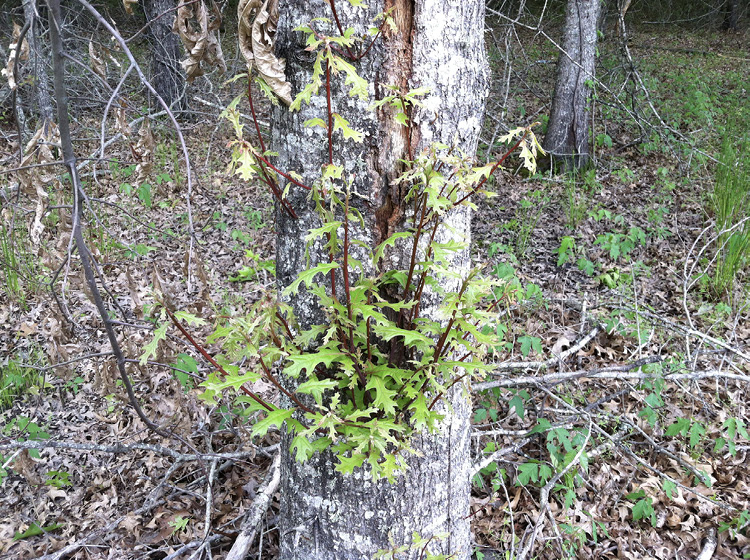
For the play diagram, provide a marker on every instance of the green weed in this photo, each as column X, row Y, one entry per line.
column 17, row 379
column 732, row 210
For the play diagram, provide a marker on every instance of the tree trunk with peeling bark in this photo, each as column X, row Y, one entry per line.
column 438, row 44
column 567, row 139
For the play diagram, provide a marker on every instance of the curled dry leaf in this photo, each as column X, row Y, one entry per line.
column 122, row 125
column 198, row 34
column 97, row 62
column 256, row 37
column 143, row 151
column 39, row 150
column 128, row 4
column 13, row 53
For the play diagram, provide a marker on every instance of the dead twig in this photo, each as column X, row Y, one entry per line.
column 259, row 507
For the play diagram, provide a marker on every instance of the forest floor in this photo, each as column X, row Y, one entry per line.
column 619, row 251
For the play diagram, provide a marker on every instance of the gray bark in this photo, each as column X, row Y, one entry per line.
column 167, row 75
column 37, row 64
column 439, row 44
column 731, row 10
column 567, row 138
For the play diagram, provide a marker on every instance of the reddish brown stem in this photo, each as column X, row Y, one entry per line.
column 280, row 172
column 329, row 108
column 339, row 26
column 252, row 112
column 214, row 363
column 281, row 388
column 346, row 273
column 492, row 171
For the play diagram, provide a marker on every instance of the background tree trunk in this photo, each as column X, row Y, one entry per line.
column 567, row 139
column 438, row 44
column 731, row 10
column 37, row 66
column 167, row 75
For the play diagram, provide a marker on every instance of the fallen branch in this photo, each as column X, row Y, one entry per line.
column 120, row 448
column 258, row 508
column 617, row 372
column 709, row 546
column 528, row 366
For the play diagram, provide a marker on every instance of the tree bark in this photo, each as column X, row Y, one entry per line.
column 731, row 10
column 167, row 75
column 438, row 44
column 567, row 139
column 37, row 64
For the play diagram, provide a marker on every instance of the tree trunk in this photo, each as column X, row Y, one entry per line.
column 731, row 10
column 167, row 75
column 37, row 65
column 438, row 44
column 567, row 139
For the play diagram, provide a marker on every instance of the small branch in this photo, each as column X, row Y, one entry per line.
column 497, row 455
column 329, row 108
column 214, row 363
column 709, row 546
column 260, row 505
column 121, row 448
column 87, row 260
column 209, row 499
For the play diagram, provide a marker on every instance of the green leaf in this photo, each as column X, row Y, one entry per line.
column 679, row 426
column 216, row 384
column 384, row 397
column 340, row 123
column 545, row 472
column 305, row 448
column 189, row 318
column 391, row 241
column 309, row 362
column 643, row 509
column 411, row 338
column 669, row 488
column 150, row 349
column 310, row 123
column 529, row 343
column 35, row 530
column 517, row 403
column 347, row 465
column 358, row 85
column 316, row 387
column 527, row 472
column 273, row 418
column 697, row 431
column 542, row 425
column 307, row 276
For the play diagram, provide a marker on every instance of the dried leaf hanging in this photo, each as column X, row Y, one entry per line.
column 144, row 151
column 256, row 37
column 97, row 62
column 33, row 178
column 122, row 125
column 13, row 53
column 128, row 4
column 198, row 34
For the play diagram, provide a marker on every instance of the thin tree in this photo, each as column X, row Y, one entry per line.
column 568, row 134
